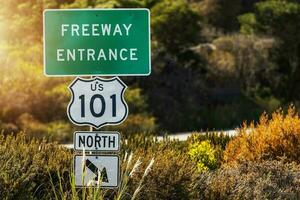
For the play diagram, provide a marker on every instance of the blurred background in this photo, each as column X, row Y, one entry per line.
column 215, row 64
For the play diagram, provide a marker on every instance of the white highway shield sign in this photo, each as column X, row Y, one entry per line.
column 97, row 102
column 96, row 170
column 97, row 141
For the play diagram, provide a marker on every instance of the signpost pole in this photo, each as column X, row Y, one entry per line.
column 91, row 130
column 91, row 127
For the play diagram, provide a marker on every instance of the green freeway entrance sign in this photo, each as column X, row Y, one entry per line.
column 106, row 42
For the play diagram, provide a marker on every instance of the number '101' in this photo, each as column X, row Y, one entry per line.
column 102, row 104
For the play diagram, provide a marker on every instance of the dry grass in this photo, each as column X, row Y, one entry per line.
column 271, row 138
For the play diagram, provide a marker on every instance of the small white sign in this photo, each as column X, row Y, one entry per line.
column 97, row 102
column 97, row 141
column 97, row 170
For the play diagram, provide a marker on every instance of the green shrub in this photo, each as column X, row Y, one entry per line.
column 25, row 166
column 147, row 142
column 204, row 155
column 59, row 131
column 170, row 177
column 173, row 172
column 216, row 139
column 250, row 180
column 214, row 151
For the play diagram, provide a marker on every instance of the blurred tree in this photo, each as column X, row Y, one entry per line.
column 23, row 19
column 280, row 19
column 245, row 59
column 221, row 14
column 175, row 26
column 25, row 90
column 112, row 3
column 176, row 90
column 180, row 91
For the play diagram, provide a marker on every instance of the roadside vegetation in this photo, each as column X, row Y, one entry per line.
column 204, row 167
column 215, row 64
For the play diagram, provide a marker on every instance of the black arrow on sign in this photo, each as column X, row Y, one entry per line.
column 95, row 170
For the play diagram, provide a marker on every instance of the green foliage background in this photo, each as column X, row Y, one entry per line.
column 216, row 63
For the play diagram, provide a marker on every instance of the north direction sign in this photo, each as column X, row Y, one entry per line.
column 97, row 102
column 97, row 170
column 97, row 141
column 106, row 42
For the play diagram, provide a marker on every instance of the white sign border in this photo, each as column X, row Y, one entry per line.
column 99, row 132
column 97, row 9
